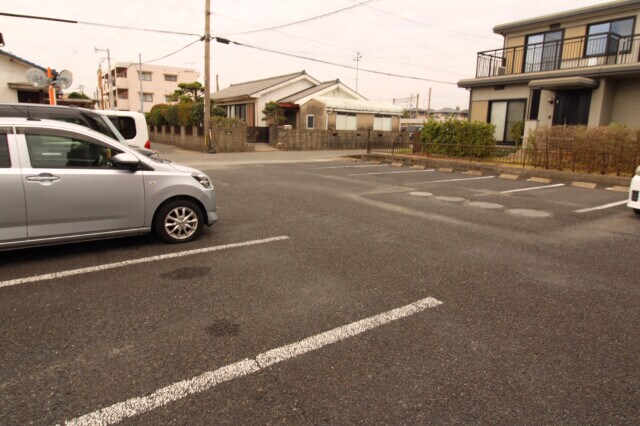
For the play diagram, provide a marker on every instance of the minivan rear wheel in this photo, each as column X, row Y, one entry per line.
column 637, row 211
column 179, row 221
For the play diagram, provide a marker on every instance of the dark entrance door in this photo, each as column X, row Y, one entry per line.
column 572, row 107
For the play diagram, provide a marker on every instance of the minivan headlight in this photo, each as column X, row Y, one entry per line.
column 203, row 180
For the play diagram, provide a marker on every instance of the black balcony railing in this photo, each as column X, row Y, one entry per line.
column 580, row 52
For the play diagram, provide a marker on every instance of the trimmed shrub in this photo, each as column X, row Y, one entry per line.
column 156, row 117
column 458, row 138
column 217, row 121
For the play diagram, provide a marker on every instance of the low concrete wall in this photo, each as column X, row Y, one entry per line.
column 232, row 139
column 306, row 140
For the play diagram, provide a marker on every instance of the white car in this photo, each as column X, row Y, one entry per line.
column 132, row 125
column 634, row 191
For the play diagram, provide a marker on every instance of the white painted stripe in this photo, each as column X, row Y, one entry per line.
column 136, row 406
column 604, row 206
column 106, row 266
column 451, row 180
column 351, row 167
column 389, row 173
column 533, row 188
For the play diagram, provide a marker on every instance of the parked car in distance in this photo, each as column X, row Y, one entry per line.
column 81, row 116
column 131, row 125
column 634, row 192
column 63, row 182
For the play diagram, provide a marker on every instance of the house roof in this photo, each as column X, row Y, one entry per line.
column 358, row 105
column 11, row 56
column 310, row 91
column 249, row 88
column 609, row 7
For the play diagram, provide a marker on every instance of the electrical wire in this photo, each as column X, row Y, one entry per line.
column 313, row 18
column 177, row 51
column 277, row 52
column 95, row 24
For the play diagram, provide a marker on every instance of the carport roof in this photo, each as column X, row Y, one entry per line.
column 358, row 105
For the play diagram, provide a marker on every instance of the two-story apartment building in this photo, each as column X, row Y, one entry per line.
column 576, row 67
column 153, row 85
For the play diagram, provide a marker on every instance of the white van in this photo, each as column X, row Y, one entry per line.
column 132, row 125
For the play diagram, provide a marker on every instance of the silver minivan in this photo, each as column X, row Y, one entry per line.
column 60, row 182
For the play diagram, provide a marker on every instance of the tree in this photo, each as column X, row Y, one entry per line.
column 188, row 92
column 273, row 114
column 77, row 95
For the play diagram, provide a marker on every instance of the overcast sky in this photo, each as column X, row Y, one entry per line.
column 429, row 39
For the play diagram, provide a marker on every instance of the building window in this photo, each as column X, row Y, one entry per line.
column 535, row 104
column 239, row 111
column 170, row 77
column 543, row 51
column 144, row 75
column 346, row 121
column 610, row 38
column 503, row 115
column 168, row 98
column 147, row 97
column 311, row 121
column 382, row 122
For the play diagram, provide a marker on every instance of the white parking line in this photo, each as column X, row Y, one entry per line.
column 604, row 206
column 105, row 266
column 351, row 167
column 533, row 188
column 136, row 406
column 451, row 180
column 389, row 173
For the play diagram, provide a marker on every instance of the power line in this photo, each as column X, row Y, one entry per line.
column 277, row 52
column 177, row 51
column 95, row 24
column 313, row 18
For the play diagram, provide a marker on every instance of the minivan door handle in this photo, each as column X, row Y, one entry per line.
column 43, row 177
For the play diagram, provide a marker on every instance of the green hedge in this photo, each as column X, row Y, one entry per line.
column 458, row 138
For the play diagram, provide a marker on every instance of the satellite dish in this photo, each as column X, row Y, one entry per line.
column 37, row 77
column 64, row 79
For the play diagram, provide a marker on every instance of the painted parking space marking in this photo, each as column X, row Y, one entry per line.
column 351, row 167
column 389, row 173
column 451, row 180
column 533, row 188
column 174, row 392
column 90, row 269
column 602, row 207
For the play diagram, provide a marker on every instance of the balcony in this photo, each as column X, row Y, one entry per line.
column 580, row 52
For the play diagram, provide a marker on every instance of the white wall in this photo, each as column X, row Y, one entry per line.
column 10, row 72
column 276, row 94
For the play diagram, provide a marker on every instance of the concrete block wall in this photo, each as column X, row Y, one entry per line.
column 224, row 139
column 294, row 139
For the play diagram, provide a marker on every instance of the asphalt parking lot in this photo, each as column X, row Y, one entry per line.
column 334, row 292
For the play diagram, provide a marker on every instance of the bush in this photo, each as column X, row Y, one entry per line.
column 517, row 132
column 156, row 117
column 217, row 121
column 458, row 138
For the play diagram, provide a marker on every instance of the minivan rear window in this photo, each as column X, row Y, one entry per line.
column 126, row 126
column 5, row 160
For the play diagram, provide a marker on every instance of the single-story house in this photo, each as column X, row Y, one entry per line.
column 13, row 81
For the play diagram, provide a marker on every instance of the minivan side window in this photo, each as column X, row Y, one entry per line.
column 126, row 126
column 55, row 150
column 5, row 160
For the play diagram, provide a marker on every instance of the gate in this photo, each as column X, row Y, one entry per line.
column 257, row 134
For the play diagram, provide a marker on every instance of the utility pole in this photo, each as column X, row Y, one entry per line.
column 108, row 73
column 207, row 72
column 140, row 78
column 417, row 103
column 100, row 87
column 429, row 103
column 357, row 59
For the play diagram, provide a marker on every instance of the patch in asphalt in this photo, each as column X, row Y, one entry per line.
column 187, row 273
column 483, row 205
column 450, row 199
column 529, row 213
column 223, row 328
column 421, row 194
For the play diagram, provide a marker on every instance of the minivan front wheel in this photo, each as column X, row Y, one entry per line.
column 179, row 221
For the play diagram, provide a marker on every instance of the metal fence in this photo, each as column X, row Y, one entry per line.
column 619, row 162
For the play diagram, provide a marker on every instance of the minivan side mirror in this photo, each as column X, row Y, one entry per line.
column 125, row 161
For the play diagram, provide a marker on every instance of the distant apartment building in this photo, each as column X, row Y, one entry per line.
column 580, row 67
column 158, row 84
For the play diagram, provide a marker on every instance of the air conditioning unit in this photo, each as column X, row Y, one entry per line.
column 501, row 70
